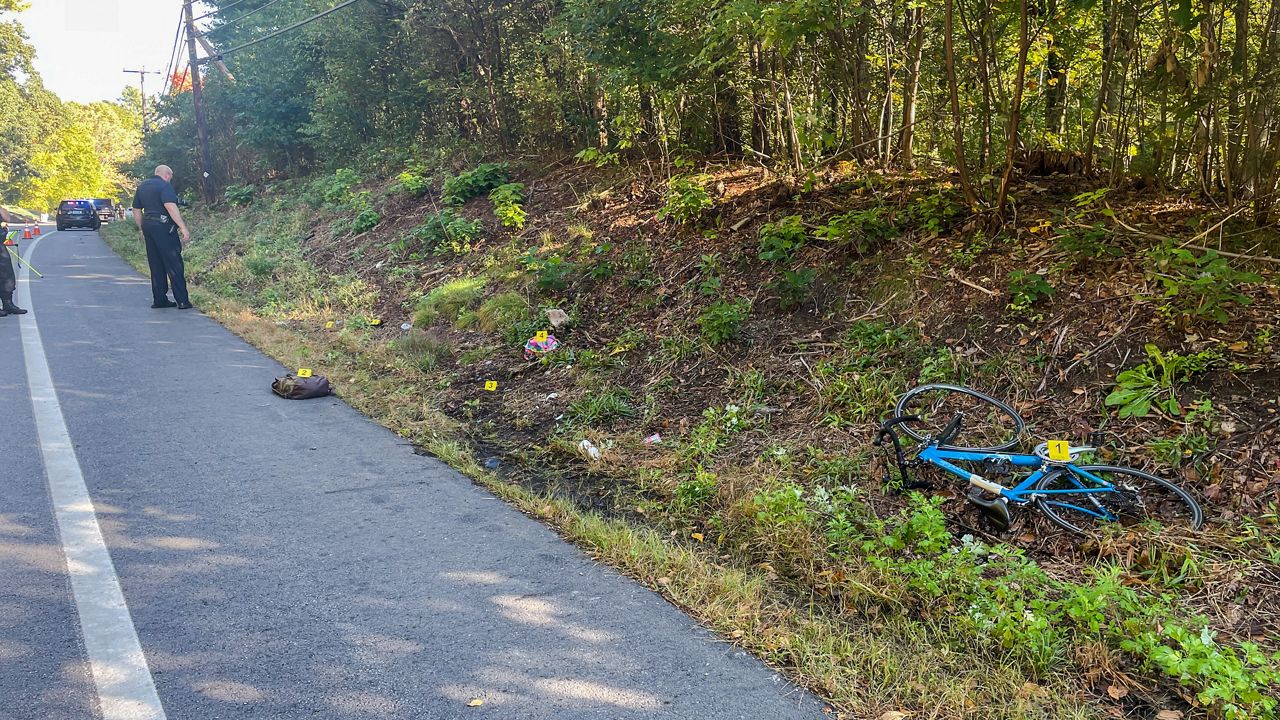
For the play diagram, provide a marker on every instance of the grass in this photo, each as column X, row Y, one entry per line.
column 868, row 669
column 759, row 535
column 424, row 349
column 508, row 315
column 448, row 301
column 601, row 407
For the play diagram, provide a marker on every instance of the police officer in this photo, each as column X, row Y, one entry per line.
column 155, row 210
column 8, row 283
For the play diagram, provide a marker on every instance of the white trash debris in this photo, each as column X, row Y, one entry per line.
column 589, row 449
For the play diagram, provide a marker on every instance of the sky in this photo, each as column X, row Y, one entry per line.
column 83, row 46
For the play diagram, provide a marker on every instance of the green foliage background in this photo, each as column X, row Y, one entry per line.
column 51, row 150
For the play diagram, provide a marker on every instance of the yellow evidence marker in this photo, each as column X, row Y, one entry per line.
column 328, row 325
column 540, row 336
column 304, row 372
column 490, row 385
column 1059, row 451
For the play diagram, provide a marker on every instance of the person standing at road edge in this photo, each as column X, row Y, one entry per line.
column 155, row 210
column 8, row 281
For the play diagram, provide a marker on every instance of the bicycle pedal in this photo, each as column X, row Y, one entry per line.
column 996, row 510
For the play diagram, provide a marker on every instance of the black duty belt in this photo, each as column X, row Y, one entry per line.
column 155, row 217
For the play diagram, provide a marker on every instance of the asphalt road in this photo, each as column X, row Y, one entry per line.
column 284, row 559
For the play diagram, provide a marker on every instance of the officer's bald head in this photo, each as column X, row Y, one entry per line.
column 165, row 172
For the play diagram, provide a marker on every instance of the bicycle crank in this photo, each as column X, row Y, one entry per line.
column 996, row 510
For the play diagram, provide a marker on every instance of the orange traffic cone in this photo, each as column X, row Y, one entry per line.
column 26, row 233
column 35, row 229
column 8, row 241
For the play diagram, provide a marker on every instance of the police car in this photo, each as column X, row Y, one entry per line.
column 78, row 213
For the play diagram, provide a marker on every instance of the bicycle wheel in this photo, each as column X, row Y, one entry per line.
column 1141, row 498
column 989, row 424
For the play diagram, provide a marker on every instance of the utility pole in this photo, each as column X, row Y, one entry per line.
column 202, row 131
column 142, row 85
column 215, row 58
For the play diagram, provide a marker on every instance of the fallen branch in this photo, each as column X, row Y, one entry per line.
column 1241, row 256
column 1192, row 242
column 954, row 276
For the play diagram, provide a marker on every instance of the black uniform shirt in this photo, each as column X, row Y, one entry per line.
column 151, row 196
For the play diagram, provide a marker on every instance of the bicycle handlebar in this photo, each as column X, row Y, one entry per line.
column 886, row 427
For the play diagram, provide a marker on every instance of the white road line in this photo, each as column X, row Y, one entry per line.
column 120, row 673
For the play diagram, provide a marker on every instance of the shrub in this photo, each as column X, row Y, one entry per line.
column 781, row 241
column 1088, row 241
column 933, row 213
column 261, row 263
column 414, row 183
column 865, row 229
column 695, row 492
column 599, row 158
column 239, row 195
column 781, row 506
column 1200, row 287
column 722, row 321
column 448, row 301
column 1155, row 382
column 366, row 219
column 686, row 198
column 448, row 231
column 1026, row 288
column 473, row 183
column 507, row 206
column 1241, row 683
column 551, row 272
column 334, row 190
column 794, row 287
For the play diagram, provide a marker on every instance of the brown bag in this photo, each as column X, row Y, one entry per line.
column 296, row 388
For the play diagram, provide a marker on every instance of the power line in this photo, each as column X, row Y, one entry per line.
column 215, row 12
column 282, row 31
column 172, row 66
column 247, row 13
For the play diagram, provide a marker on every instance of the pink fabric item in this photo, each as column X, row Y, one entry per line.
column 535, row 349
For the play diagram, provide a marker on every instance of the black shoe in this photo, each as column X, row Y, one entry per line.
column 184, row 306
column 13, row 310
column 165, row 304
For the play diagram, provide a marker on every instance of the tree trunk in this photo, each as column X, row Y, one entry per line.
column 793, row 136
column 759, row 113
column 915, row 50
column 1110, row 30
column 1015, row 110
column 646, row 115
column 884, row 141
column 957, row 120
column 1235, row 123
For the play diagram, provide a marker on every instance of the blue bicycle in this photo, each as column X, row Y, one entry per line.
column 1079, row 498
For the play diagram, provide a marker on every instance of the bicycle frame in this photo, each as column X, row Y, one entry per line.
column 940, row 456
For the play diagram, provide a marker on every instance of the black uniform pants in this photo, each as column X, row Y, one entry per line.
column 8, row 282
column 164, row 255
